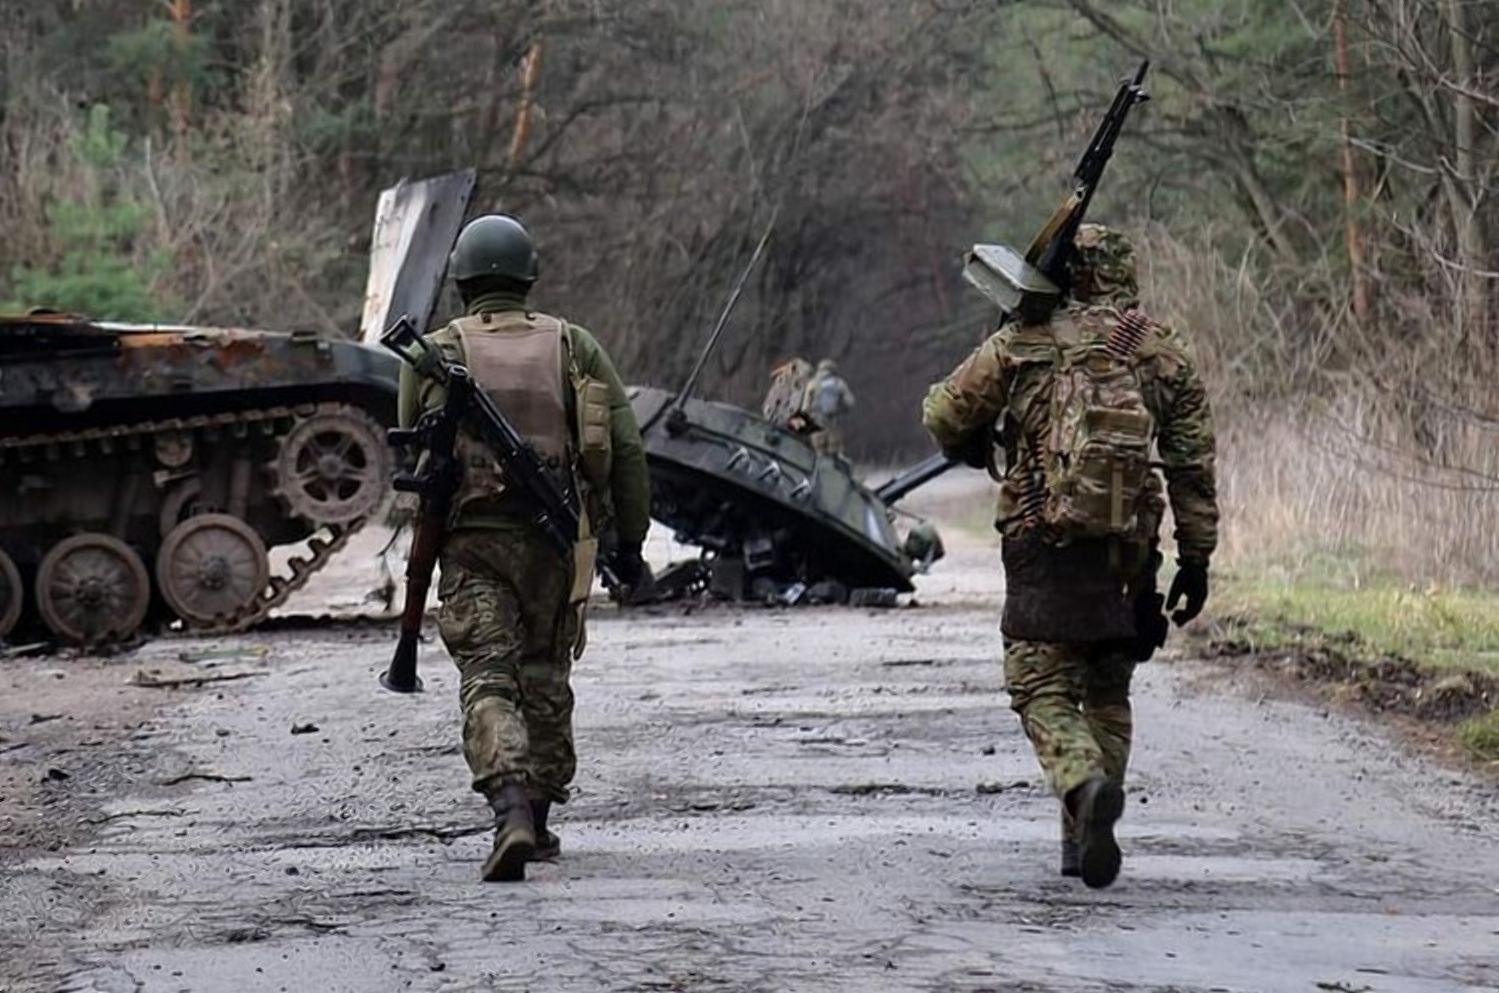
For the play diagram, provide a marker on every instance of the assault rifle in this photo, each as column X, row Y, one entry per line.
column 554, row 510
column 1036, row 283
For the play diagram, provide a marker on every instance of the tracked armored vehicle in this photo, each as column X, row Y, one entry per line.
column 145, row 472
column 775, row 519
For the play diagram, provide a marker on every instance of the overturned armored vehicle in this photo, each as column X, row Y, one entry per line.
column 775, row 519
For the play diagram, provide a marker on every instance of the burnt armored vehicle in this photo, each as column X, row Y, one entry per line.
column 147, row 471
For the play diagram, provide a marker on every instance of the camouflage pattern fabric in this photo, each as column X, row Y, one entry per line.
column 788, row 382
column 625, row 503
column 1103, row 267
column 1073, row 701
column 506, row 622
column 1007, row 382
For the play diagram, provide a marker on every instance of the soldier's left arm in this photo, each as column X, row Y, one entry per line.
column 629, row 476
column 960, row 411
column 1188, row 449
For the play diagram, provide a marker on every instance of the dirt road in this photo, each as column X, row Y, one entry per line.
column 769, row 801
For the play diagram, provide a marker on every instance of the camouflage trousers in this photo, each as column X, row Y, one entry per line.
column 1073, row 701
column 507, row 624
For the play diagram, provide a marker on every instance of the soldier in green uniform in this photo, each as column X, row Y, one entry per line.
column 1077, row 402
column 511, row 613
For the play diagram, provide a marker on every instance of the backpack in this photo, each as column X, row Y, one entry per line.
column 1095, row 454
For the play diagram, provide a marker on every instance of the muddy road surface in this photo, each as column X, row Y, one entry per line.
column 800, row 800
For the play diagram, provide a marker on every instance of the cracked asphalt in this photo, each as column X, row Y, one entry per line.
column 797, row 800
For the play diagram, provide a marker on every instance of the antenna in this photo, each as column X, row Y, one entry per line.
column 723, row 318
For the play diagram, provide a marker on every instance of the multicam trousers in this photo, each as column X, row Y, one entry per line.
column 506, row 622
column 1073, row 701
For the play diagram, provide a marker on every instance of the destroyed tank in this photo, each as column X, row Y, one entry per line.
column 146, row 472
column 776, row 519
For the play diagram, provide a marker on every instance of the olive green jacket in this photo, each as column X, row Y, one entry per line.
column 629, row 493
column 1005, row 382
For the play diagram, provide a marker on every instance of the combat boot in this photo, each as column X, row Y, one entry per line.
column 514, row 836
column 1072, row 863
column 548, row 845
column 1095, row 806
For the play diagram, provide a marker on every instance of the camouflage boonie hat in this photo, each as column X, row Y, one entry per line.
column 1104, row 262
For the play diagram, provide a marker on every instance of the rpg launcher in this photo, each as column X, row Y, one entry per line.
column 554, row 510
column 1035, row 284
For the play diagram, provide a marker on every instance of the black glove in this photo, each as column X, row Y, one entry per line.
column 629, row 567
column 975, row 450
column 1191, row 582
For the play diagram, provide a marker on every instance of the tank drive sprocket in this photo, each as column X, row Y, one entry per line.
column 211, row 568
column 92, row 588
column 333, row 467
column 11, row 595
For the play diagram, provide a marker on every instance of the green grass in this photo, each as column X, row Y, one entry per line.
column 1480, row 736
column 1442, row 629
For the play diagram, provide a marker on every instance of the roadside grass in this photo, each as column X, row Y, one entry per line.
column 1442, row 629
column 1335, row 599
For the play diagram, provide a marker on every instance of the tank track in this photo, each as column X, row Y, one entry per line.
column 324, row 541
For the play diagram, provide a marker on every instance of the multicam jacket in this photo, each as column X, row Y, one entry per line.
column 1005, row 384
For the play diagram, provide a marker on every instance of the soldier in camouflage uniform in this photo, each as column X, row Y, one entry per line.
column 511, row 614
column 783, row 401
column 1080, row 613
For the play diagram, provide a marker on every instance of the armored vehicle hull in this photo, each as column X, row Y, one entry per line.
column 769, row 511
column 146, row 471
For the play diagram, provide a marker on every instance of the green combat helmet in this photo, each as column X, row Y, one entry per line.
column 494, row 246
column 1103, row 266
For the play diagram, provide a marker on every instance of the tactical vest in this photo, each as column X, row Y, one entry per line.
column 516, row 359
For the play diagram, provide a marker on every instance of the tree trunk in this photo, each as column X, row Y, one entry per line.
column 530, row 75
column 1352, row 196
column 182, row 96
column 1464, row 193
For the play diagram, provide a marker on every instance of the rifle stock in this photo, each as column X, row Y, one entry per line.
column 437, row 482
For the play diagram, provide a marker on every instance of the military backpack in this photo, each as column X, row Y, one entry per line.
column 1095, row 453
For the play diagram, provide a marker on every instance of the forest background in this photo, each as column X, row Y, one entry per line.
column 1313, row 188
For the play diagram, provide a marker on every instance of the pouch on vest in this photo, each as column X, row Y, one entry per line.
column 1096, row 451
column 595, row 443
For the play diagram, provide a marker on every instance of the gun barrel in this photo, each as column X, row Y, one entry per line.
column 917, row 476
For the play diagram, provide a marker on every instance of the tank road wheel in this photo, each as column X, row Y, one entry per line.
column 211, row 566
column 11, row 595
column 333, row 467
column 92, row 588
